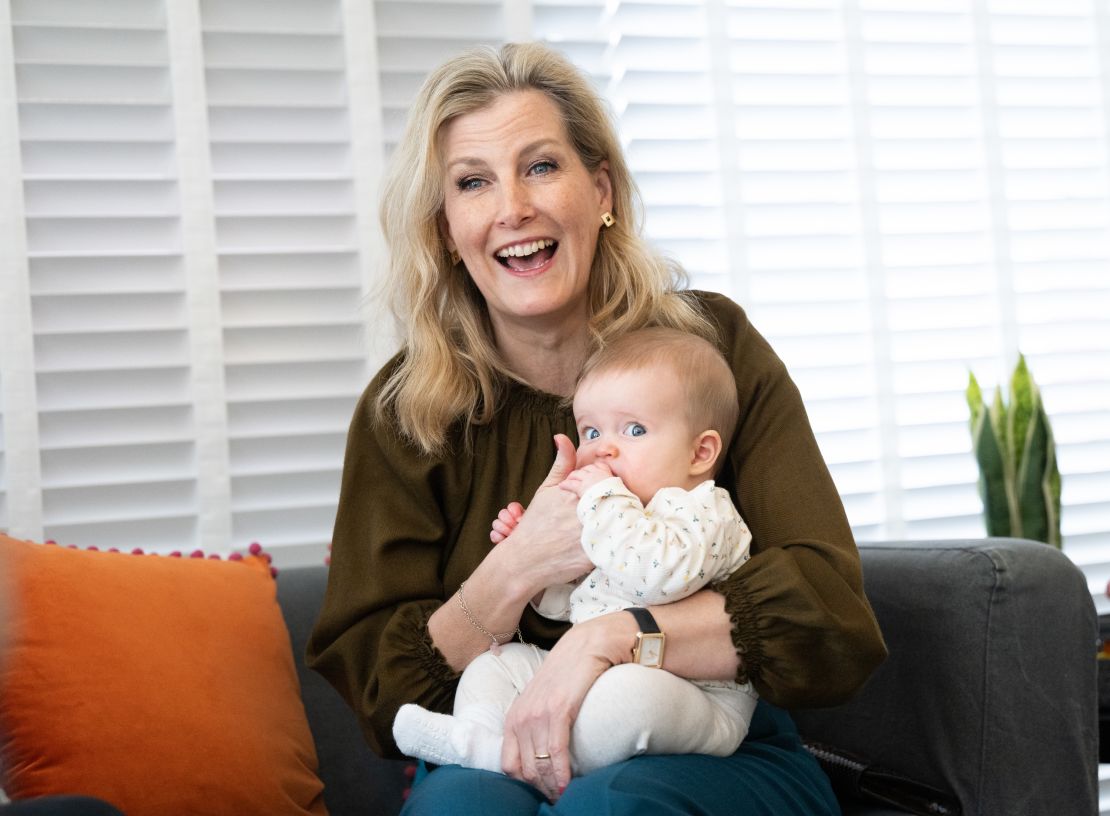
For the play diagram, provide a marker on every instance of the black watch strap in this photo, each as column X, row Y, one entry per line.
column 644, row 619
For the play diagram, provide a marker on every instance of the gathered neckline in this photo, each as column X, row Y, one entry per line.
column 535, row 398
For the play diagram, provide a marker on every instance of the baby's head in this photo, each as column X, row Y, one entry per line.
column 657, row 406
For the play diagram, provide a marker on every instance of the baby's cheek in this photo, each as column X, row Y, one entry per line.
column 585, row 458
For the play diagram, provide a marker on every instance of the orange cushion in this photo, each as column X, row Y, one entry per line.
column 161, row 685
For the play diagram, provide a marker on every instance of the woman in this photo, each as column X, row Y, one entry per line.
column 514, row 251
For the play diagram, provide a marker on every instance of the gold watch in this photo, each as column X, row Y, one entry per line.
column 648, row 650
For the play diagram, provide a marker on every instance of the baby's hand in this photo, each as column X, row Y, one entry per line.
column 581, row 480
column 506, row 522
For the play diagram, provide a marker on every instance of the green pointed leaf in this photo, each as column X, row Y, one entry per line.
column 997, row 413
column 1021, row 410
column 1030, row 479
column 999, row 424
column 974, row 398
column 992, row 479
column 1051, row 485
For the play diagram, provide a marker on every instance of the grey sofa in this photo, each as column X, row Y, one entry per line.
column 989, row 691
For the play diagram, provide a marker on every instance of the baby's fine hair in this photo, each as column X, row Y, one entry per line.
column 707, row 380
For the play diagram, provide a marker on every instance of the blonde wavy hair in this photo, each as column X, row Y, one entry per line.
column 450, row 368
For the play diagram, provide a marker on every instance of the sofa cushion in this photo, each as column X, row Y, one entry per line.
column 159, row 684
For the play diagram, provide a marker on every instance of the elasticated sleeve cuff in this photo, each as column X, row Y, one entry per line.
column 745, row 630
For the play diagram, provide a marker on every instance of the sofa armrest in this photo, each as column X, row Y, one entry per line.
column 990, row 688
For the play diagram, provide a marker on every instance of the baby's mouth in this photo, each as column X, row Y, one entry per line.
column 525, row 257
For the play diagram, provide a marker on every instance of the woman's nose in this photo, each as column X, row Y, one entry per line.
column 516, row 205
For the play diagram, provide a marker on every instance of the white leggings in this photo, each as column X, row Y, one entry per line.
column 630, row 709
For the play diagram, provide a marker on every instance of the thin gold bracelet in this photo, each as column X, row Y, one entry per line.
column 495, row 640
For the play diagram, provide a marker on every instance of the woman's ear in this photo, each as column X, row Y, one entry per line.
column 707, row 447
column 604, row 186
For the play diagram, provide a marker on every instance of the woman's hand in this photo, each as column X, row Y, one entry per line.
column 545, row 542
column 544, row 548
column 538, row 722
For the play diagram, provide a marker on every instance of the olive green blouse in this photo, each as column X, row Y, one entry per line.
column 410, row 528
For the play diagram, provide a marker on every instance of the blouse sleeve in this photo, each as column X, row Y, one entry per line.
column 371, row 639
column 803, row 628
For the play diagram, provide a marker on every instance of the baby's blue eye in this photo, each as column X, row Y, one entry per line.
column 636, row 429
column 591, row 433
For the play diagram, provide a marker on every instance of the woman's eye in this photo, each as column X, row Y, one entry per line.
column 542, row 168
column 591, row 433
column 469, row 183
column 636, row 429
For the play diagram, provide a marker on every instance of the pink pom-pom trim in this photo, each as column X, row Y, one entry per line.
column 255, row 550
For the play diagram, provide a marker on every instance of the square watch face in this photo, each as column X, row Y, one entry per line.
column 651, row 650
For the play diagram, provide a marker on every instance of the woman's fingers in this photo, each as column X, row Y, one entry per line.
column 521, row 759
column 555, row 772
column 565, row 461
column 538, row 723
column 510, row 755
column 542, row 759
column 547, row 778
column 548, row 535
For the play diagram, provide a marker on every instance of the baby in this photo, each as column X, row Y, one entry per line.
column 655, row 410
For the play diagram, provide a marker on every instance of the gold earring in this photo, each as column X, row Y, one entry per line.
column 607, row 219
column 455, row 257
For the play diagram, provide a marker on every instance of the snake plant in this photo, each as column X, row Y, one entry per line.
column 1019, row 481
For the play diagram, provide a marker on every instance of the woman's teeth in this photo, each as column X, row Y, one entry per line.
column 521, row 250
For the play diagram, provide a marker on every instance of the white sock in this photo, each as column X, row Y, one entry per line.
column 446, row 740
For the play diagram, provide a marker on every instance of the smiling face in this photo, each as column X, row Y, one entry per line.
column 636, row 422
column 522, row 210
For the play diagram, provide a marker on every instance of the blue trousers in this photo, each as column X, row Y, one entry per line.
column 770, row 775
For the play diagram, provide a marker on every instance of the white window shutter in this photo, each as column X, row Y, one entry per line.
column 665, row 90
column 1051, row 131
column 802, row 242
column 897, row 191
column 290, row 281
column 415, row 36
column 105, row 274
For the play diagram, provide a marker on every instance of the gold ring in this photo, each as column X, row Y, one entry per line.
column 543, row 756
